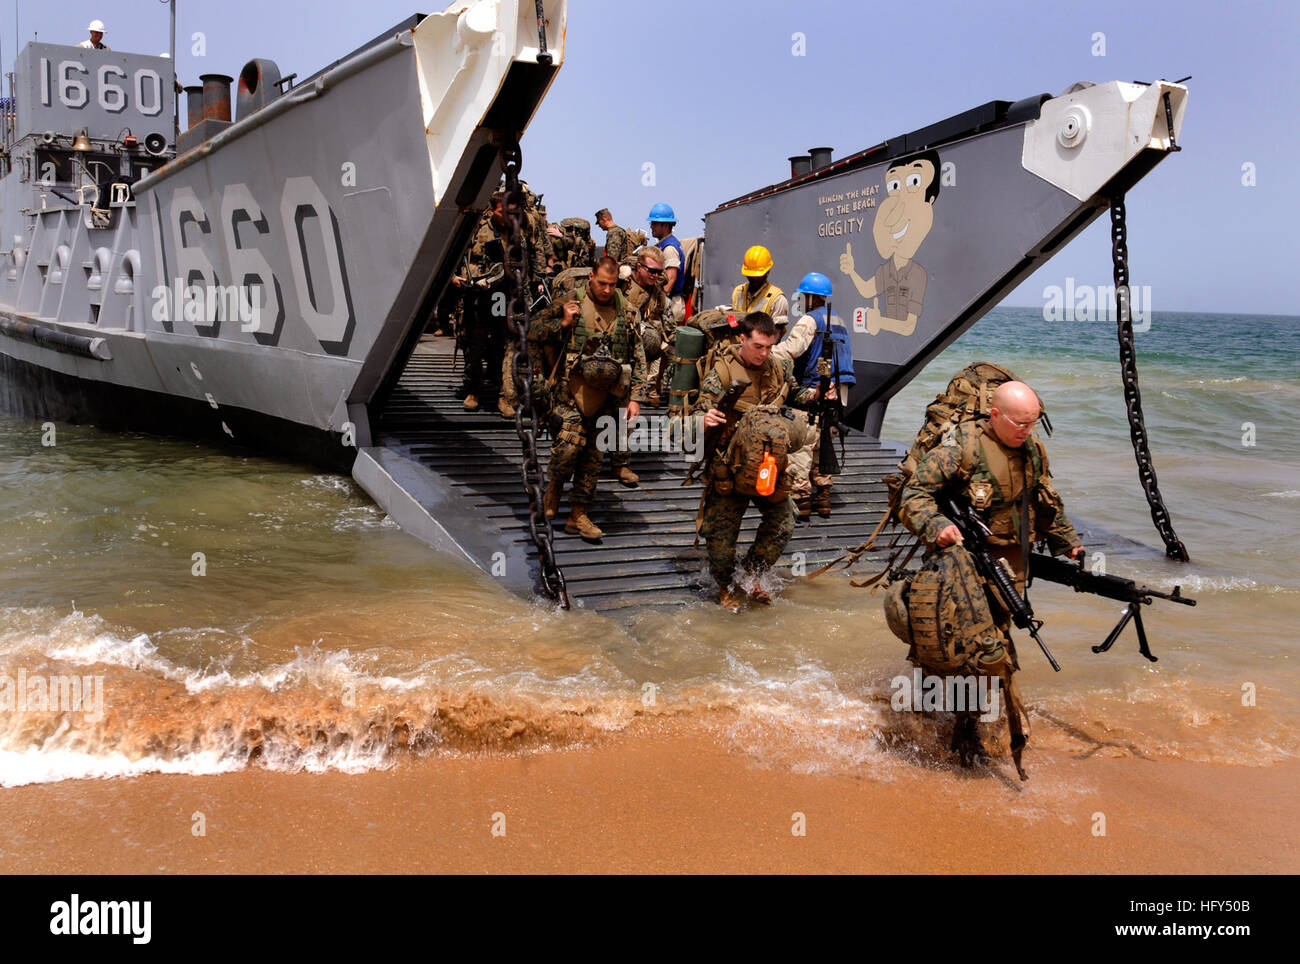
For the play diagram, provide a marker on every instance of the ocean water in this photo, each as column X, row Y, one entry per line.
column 224, row 612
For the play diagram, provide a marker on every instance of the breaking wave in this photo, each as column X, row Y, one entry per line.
column 347, row 711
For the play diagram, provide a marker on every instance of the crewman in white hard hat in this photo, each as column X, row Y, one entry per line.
column 96, row 41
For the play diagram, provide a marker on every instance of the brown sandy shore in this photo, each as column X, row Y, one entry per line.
column 666, row 798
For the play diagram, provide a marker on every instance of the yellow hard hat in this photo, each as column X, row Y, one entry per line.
column 758, row 262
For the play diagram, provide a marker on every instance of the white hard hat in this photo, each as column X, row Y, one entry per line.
column 96, row 26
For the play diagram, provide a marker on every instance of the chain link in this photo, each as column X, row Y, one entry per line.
column 1174, row 547
column 517, row 321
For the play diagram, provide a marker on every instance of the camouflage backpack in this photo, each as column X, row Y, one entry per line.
column 635, row 240
column 942, row 613
column 762, row 429
column 720, row 330
column 580, row 247
column 568, row 281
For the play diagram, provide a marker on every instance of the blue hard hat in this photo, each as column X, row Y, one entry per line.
column 662, row 212
column 815, row 283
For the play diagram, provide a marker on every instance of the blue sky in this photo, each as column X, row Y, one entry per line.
column 710, row 93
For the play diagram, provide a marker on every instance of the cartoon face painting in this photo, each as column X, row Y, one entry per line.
column 903, row 221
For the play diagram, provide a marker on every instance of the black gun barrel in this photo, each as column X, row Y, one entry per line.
column 1066, row 573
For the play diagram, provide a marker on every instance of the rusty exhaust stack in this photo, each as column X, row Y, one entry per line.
column 194, row 104
column 216, row 96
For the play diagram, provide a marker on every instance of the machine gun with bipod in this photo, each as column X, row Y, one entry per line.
column 1043, row 566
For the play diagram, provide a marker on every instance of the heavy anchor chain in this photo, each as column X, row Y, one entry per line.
column 518, row 317
column 1174, row 547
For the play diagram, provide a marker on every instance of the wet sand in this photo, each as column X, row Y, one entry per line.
column 667, row 797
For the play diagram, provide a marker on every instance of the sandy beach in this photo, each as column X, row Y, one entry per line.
column 663, row 798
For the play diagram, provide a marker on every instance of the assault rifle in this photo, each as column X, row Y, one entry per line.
column 1071, row 574
column 713, row 436
column 975, row 535
column 826, row 411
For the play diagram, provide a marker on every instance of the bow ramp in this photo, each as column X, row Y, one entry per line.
column 453, row 479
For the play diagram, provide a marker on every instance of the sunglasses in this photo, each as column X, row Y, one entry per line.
column 650, row 270
column 1021, row 425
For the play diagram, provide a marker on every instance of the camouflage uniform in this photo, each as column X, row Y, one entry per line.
column 991, row 476
column 483, row 329
column 575, row 453
column 972, row 633
column 653, row 307
column 650, row 311
column 616, row 245
column 721, row 514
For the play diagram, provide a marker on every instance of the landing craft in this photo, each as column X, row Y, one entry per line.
column 337, row 205
column 264, row 278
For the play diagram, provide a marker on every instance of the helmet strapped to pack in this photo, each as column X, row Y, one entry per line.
column 599, row 369
column 652, row 343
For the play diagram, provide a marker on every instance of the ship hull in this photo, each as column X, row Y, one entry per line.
column 33, row 391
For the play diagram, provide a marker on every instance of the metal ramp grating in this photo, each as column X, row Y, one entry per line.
column 646, row 556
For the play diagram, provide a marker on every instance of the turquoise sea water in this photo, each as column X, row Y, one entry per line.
column 319, row 635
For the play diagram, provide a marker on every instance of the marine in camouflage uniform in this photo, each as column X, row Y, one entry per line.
column 616, row 245
column 564, row 333
column 772, row 382
column 484, row 288
column 1001, row 469
column 536, row 247
column 651, row 303
column 644, row 290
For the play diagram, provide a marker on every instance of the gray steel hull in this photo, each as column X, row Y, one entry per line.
column 266, row 286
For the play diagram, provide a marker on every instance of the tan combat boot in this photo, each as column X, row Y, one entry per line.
column 551, row 500
column 803, row 507
column 628, row 477
column 760, row 595
column 579, row 525
column 821, row 500
column 505, row 408
column 729, row 600
column 471, row 403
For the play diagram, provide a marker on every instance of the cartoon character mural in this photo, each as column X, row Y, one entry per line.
column 903, row 221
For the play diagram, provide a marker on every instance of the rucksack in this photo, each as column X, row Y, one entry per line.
column 635, row 241
column 942, row 613
column 692, row 249
column 581, row 248
column 762, row 429
column 842, row 369
column 568, row 281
